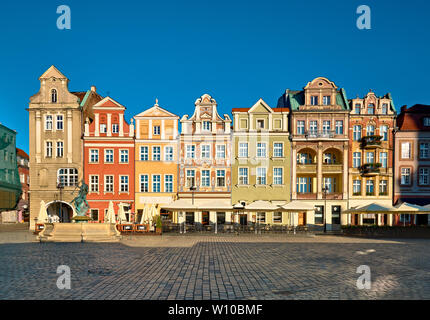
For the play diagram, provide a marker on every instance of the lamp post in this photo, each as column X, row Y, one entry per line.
column 60, row 187
column 325, row 190
column 192, row 189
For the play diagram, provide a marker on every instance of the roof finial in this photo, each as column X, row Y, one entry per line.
column 156, row 101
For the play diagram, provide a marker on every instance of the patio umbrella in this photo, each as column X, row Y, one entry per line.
column 409, row 208
column 144, row 217
column 110, row 217
column 43, row 215
column 121, row 213
column 152, row 213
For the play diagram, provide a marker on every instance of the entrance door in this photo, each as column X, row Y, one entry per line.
column 243, row 218
column 302, row 218
column 422, row 219
column 205, row 218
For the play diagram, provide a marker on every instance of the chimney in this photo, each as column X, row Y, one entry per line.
column 403, row 108
column 93, row 88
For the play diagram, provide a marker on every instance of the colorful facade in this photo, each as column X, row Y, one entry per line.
column 109, row 159
column 261, row 161
column 412, row 162
column 371, row 126
column 320, row 143
column 156, row 159
column 205, row 164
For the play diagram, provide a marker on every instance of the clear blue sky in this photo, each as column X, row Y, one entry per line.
column 236, row 50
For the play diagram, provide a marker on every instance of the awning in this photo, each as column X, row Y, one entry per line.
column 408, row 208
column 374, row 208
column 261, row 205
column 294, row 206
column 180, row 205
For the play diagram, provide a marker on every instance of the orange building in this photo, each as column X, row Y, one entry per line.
column 108, row 159
column 156, row 159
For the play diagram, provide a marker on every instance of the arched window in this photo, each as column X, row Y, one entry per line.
column 54, row 96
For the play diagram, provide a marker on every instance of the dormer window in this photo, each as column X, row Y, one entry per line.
column 156, row 130
column 54, row 96
column 103, row 128
column 357, row 108
column 426, row 122
column 260, row 124
column 326, row 100
column 206, row 126
column 384, row 108
column 371, row 108
column 314, row 100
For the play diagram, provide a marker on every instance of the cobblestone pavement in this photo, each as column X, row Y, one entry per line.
column 216, row 267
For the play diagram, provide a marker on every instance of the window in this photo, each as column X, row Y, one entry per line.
column 108, row 183
column 156, row 130
column 95, row 214
column 300, row 127
column 243, row 176
column 168, row 183
column 277, row 176
column 205, row 151
column 260, row 124
column 383, row 187
column 339, row 127
column 191, row 175
column 319, row 214
column 313, row 127
column 156, row 153
column 356, row 187
column 384, row 109
column 383, row 130
column 123, row 183
column 326, row 100
column 369, row 187
column 54, row 96
column 277, row 217
column 304, row 158
column 426, row 122
column 49, row 149
column 109, row 156
column 370, row 108
column 261, row 150
column 335, row 214
column 357, row 133
column 156, row 183
column 406, row 150
column 424, row 176
column 206, row 126
column 370, row 157
column 243, row 150
column 144, row 183
column 220, row 151
column 357, row 108
column 330, row 184
column 370, row 130
column 115, row 128
column 329, row 158
column 405, row 176
column 189, row 218
column 356, row 159
column 261, row 217
column 424, row 150
column 94, row 183
column 314, row 100
column 68, row 177
column 48, row 122
column 383, row 159
column 191, row 151
column 59, row 122
column 278, row 150
column 261, row 176
column 123, row 156
column 206, row 178
column 304, row 185
column 220, row 178
column 168, row 153
column 103, row 128
column 144, row 154
column 60, row 149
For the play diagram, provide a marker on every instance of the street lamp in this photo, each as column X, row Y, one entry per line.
column 192, row 189
column 60, row 187
column 325, row 190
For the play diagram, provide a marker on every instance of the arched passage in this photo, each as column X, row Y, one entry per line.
column 61, row 209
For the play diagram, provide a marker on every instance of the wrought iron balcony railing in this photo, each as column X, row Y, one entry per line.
column 371, row 141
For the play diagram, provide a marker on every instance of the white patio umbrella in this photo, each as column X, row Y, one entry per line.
column 43, row 214
column 152, row 214
column 121, row 213
column 144, row 217
column 110, row 217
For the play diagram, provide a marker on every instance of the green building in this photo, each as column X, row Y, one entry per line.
column 10, row 186
column 261, row 164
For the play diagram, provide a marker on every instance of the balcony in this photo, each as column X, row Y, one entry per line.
column 319, row 134
column 334, row 196
column 306, row 196
column 306, row 168
column 332, row 168
column 369, row 142
column 370, row 169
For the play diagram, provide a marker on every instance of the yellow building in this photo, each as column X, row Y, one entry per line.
column 156, row 156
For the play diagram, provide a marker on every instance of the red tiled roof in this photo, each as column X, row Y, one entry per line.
column 22, row 153
column 80, row 94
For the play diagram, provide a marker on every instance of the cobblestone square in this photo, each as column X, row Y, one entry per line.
column 215, row 267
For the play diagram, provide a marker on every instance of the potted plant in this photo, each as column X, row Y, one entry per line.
column 158, row 225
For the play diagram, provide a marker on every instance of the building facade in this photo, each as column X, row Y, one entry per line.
column 320, row 144
column 261, row 161
column 412, row 162
column 10, row 186
column 156, row 159
column 22, row 159
column 371, row 140
column 109, row 159
column 205, row 164
column 55, row 129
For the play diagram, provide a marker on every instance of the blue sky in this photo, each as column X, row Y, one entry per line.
column 237, row 51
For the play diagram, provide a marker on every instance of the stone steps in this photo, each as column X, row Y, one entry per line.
column 79, row 232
